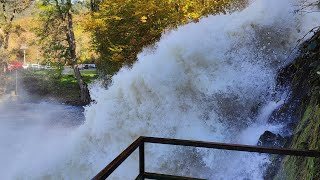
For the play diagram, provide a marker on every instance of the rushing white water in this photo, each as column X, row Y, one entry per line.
column 207, row 81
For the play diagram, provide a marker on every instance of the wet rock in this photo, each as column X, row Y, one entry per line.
column 269, row 139
column 273, row 167
column 289, row 128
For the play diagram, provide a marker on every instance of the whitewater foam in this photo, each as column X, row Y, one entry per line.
column 207, row 81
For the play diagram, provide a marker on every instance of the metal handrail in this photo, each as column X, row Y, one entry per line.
column 140, row 142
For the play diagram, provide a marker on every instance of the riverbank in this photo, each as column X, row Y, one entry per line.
column 54, row 86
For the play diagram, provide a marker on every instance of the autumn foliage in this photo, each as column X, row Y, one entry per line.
column 122, row 28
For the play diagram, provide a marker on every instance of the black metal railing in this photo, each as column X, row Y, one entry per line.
column 140, row 142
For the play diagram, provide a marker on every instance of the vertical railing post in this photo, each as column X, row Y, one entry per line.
column 141, row 160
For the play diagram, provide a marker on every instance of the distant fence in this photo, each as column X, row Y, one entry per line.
column 140, row 142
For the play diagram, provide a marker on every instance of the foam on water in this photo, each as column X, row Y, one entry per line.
column 207, row 81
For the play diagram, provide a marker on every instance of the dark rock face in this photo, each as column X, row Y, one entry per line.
column 269, row 139
column 273, row 167
column 299, row 115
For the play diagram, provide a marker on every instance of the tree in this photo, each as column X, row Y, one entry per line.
column 122, row 28
column 94, row 5
column 8, row 11
column 57, row 16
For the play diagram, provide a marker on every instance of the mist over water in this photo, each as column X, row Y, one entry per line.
column 213, row 81
column 32, row 133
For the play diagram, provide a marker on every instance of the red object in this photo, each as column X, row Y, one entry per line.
column 15, row 65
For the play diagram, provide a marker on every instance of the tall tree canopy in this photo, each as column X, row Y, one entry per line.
column 121, row 28
column 9, row 9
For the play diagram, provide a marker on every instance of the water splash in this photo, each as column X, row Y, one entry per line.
column 207, row 81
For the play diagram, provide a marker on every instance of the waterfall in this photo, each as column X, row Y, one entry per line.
column 212, row 80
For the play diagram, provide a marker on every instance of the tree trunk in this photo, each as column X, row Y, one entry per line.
column 94, row 4
column 6, row 40
column 85, row 95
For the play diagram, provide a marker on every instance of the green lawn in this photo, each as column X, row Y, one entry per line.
column 54, row 84
column 89, row 72
column 87, row 75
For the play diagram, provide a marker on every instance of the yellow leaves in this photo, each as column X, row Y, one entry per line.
column 194, row 15
column 117, row 18
column 143, row 19
column 117, row 57
column 124, row 27
column 116, row 49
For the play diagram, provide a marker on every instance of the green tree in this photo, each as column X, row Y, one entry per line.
column 58, row 34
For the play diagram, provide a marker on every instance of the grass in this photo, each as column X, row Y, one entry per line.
column 53, row 84
column 89, row 72
column 87, row 75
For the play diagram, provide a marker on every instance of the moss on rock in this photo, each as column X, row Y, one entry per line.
column 306, row 136
column 303, row 78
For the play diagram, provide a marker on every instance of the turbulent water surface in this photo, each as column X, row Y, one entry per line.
column 213, row 80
